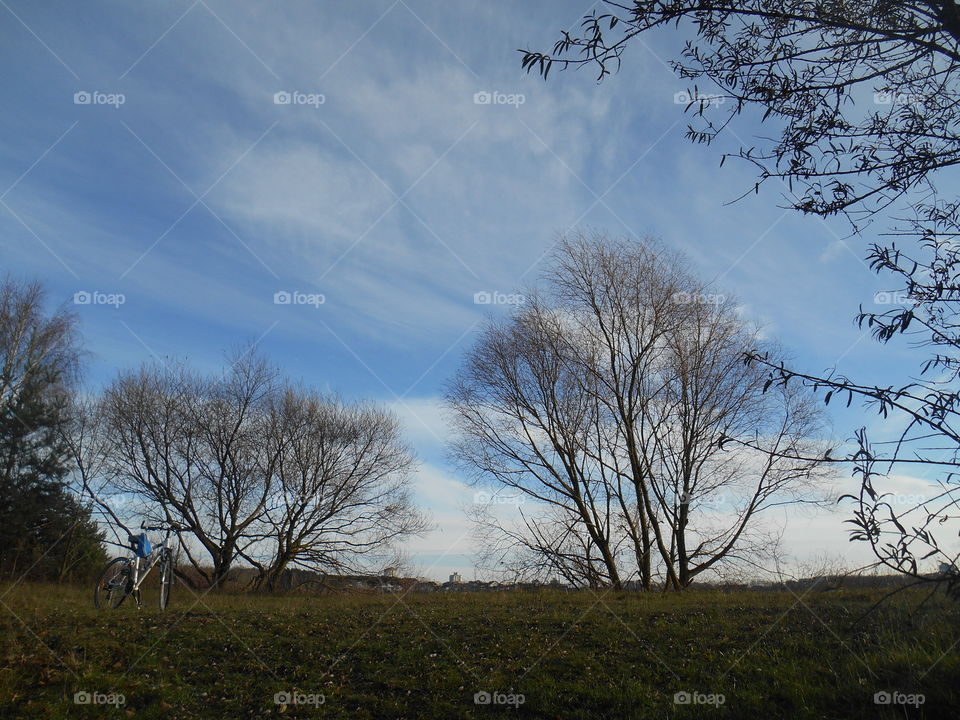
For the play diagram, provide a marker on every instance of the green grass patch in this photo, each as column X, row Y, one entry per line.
column 570, row 655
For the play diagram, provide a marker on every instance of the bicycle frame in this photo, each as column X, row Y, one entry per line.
column 142, row 569
column 154, row 558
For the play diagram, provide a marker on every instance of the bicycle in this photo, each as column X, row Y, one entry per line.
column 124, row 576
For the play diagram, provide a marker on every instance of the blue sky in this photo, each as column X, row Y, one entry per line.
column 383, row 186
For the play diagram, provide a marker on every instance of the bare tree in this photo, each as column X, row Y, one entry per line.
column 620, row 301
column 522, row 418
column 339, row 485
column 190, row 449
column 249, row 468
column 609, row 396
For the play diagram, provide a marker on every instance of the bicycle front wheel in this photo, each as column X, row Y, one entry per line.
column 166, row 580
column 114, row 584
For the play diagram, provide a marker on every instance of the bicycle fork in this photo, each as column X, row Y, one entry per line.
column 135, row 582
column 149, row 562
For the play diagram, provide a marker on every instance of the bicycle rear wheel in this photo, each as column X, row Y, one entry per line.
column 114, row 584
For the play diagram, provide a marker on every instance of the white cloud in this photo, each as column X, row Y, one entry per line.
column 423, row 420
column 448, row 548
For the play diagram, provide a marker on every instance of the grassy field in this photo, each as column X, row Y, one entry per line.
column 548, row 655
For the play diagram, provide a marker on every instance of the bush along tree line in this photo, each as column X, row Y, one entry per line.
column 46, row 531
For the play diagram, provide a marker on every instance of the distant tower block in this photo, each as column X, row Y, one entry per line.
column 455, row 578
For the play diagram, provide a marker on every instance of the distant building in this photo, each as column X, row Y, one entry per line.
column 390, row 572
column 456, row 578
